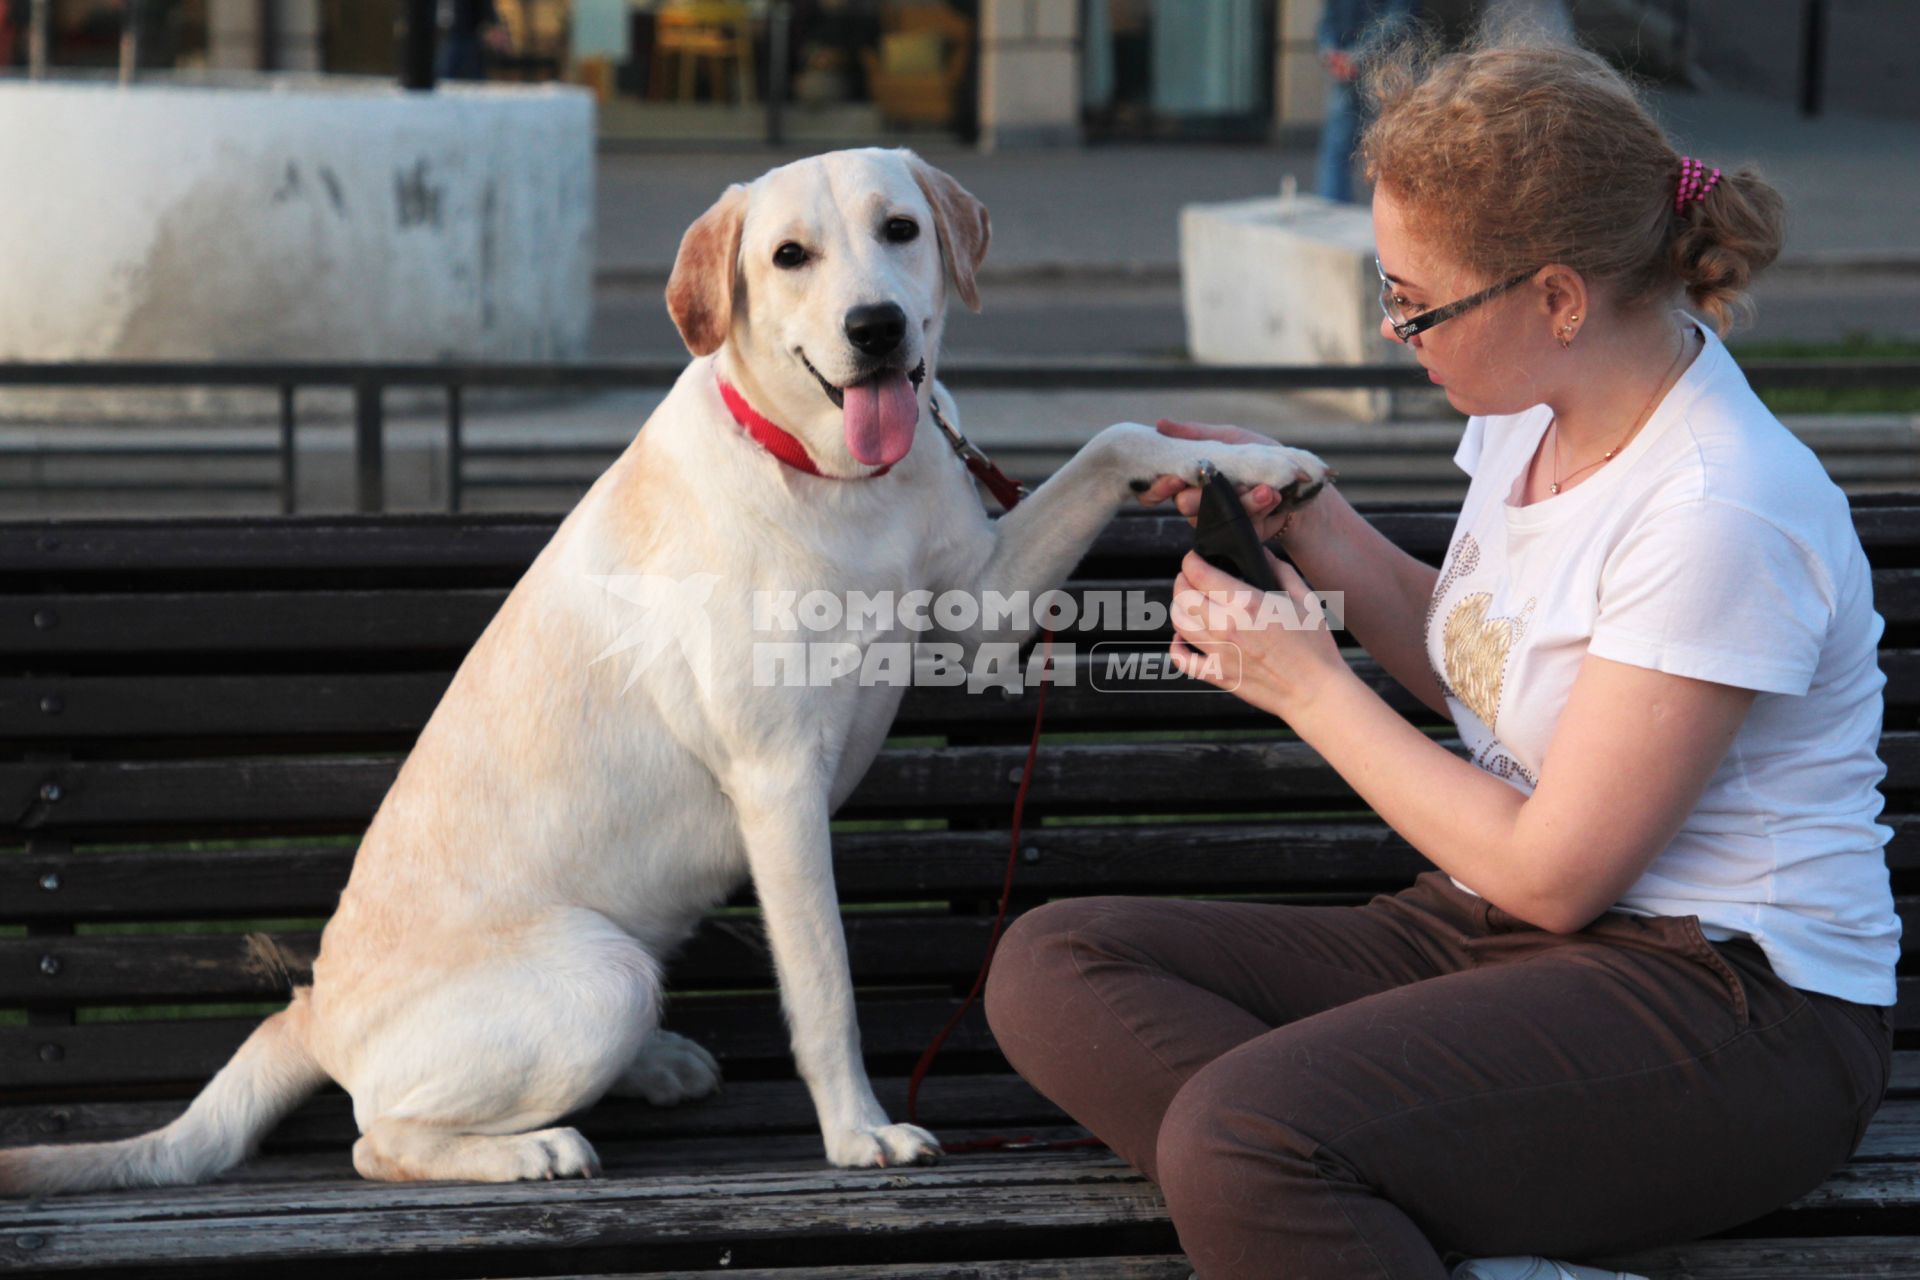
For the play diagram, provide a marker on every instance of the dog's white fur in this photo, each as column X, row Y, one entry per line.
column 569, row 811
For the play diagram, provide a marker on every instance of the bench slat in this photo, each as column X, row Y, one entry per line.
column 414, row 619
column 157, row 1052
column 743, row 1108
column 725, row 952
column 198, row 623
column 734, row 1029
column 1258, row 857
column 510, row 541
column 992, row 1207
column 1200, row 857
column 344, row 791
column 398, row 703
column 1180, row 775
column 51, row 708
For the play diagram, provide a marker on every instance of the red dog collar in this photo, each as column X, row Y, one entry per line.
column 780, row 443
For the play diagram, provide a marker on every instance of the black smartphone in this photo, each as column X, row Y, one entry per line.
column 1223, row 533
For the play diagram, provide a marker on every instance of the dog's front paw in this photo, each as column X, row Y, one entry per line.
column 1295, row 474
column 882, row 1146
column 668, row 1070
column 1143, row 454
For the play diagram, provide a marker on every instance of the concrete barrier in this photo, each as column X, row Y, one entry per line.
column 1290, row 280
column 291, row 217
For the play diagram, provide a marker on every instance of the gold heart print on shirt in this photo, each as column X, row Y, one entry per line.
column 1474, row 646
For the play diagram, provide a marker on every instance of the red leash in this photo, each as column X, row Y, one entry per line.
column 1008, row 493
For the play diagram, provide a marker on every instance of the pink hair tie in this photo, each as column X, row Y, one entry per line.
column 1695, row 182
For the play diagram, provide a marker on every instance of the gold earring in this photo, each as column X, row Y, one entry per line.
column 1566, row 333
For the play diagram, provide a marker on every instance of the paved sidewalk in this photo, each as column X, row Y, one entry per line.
column 1852, row 185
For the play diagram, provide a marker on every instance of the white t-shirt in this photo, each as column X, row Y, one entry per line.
column 1713, row 546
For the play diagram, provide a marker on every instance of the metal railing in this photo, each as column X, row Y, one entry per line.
column 369, row 384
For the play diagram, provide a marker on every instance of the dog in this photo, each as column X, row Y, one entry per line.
column 604, row 767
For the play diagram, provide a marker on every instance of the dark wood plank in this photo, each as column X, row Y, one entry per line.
column 344, row 791
column 1144, row 777
column 743, row 1108
column 823, row 1217
column 412, row 619
column 192, row 705
column 734, row 1029
column 726, row 952
column 398, row 703
column 1099, row 691
column 329, row 542
column 1848, row 1258
column 1887, row 1257
column 202, row 623
column 511, row 541
column 1157, row 1267
column 1308, row 855
column 1269, row 856
column 749, row 1219
column 360, row 704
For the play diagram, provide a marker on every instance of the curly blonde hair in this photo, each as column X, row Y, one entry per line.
column 1521, row 150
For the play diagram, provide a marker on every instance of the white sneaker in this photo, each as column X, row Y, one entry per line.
column 1532, row 1269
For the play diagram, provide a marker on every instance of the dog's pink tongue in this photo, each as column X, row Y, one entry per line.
column 880, row 416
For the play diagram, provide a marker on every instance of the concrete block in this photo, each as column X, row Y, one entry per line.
column 1273, row 281
column 295, row 217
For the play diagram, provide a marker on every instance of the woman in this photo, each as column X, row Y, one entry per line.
column 1645, row 996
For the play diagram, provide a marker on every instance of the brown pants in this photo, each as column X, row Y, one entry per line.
column 1347, row 1092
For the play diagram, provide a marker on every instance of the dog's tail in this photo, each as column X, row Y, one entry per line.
column 272, row 1073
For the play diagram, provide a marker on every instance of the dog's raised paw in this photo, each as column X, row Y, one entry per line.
column 883, row 1147
column 668, row 1070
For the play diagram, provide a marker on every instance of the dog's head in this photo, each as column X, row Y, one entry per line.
column 825, row 281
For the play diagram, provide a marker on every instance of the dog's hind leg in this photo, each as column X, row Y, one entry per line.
column 467, row 1082
column 669, row 1069
column 406, row 1151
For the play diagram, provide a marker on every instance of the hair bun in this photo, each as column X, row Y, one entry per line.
column 1723, row 238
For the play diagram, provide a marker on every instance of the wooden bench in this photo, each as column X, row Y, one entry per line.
column 199, row 717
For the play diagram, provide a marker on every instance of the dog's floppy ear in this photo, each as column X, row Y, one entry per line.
column 961, row 222
column 700, row 290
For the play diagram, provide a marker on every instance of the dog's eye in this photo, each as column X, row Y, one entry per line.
column 789, row 255
column 901, row 230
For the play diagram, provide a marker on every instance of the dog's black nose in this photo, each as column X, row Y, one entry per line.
column 877, row 329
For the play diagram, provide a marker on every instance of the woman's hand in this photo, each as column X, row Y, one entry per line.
column 1261, row 502
column 1276, row 653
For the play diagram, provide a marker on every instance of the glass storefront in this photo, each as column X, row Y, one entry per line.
column 805, row 70
column 1177, row 69
column 692, row 71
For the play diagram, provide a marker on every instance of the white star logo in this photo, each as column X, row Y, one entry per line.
column 673, row 611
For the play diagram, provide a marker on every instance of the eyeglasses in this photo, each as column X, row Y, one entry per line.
column 1403, row 328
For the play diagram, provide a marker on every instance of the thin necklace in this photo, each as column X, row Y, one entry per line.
column 1658, row 387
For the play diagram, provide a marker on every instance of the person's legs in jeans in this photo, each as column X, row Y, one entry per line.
column 1624, row 1086
column 1338, row 134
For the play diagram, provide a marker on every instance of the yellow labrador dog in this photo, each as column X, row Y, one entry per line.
column 613, row 759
